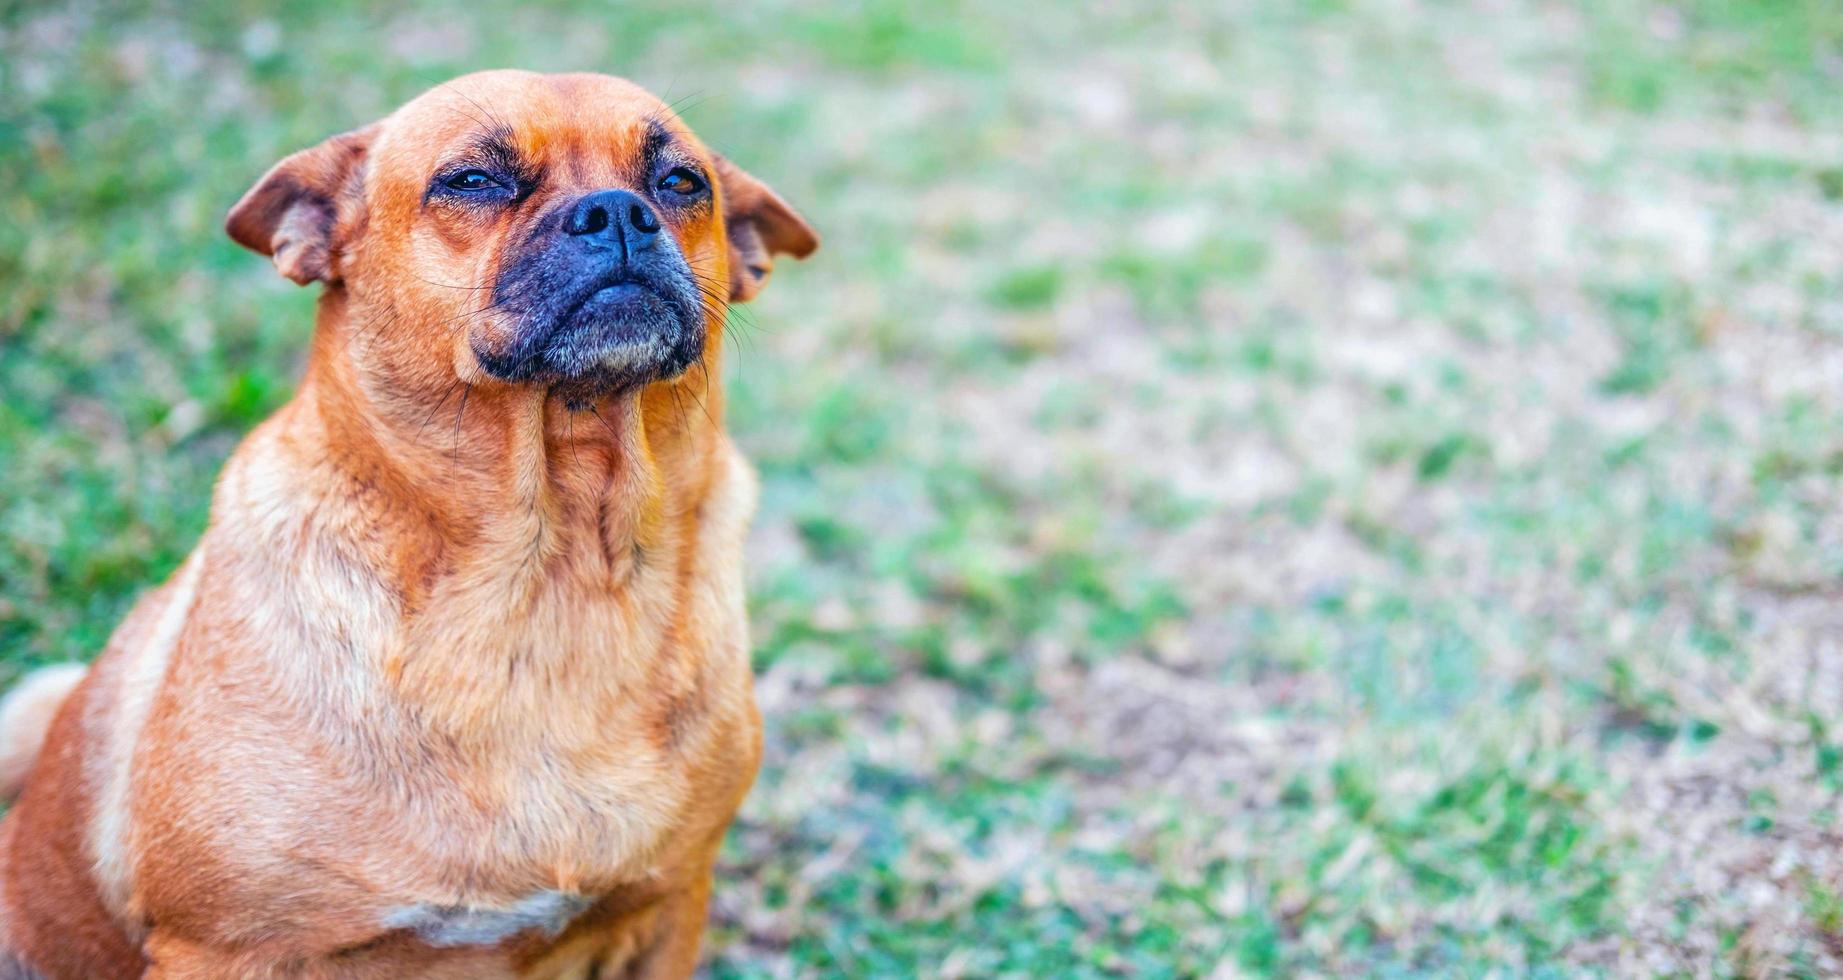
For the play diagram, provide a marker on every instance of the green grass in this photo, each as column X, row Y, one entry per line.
column 1346, row 487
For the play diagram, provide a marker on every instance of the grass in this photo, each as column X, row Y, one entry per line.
column 1343, row 487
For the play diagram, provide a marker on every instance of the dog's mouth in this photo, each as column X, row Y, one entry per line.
column 624, row 324
column 618, row 330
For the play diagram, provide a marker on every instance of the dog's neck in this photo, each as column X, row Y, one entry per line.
column 496, row 497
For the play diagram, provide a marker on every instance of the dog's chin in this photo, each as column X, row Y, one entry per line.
column 617, row 338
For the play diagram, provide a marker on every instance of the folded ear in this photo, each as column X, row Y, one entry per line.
column 293, row 213
column 760, row 226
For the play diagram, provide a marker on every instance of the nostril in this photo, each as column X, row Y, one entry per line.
column 642, row 219
column 589, row 220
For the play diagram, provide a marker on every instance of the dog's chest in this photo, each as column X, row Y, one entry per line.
column 524, row 855
column 585, row 780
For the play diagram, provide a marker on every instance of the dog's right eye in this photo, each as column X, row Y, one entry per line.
column 472, row 180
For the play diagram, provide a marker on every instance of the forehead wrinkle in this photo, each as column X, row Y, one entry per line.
column 565, row 140
column 603, row 153
column 579, row 158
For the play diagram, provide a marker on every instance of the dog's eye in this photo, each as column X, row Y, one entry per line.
column 472, row 180
column 681, row 181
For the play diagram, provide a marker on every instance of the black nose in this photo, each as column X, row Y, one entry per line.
column 617, row 217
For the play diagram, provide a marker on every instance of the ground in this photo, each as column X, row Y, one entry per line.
column 1249, row 488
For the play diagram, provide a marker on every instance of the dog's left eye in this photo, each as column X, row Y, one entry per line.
column 681, row 181
column 472, row 180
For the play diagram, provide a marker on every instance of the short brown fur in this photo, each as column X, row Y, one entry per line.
column 448, row 643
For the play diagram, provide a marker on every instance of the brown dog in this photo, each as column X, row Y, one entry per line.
column 456, row 683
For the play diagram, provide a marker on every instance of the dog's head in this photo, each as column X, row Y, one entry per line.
column 564, row 231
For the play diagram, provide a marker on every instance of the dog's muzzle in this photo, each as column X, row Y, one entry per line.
column 599, row 299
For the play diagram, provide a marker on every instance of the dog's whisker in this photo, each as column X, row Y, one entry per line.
column 450, row 87
column 446, row 394
column 574, row 450
column 678, row 403
column 458, row 415
column 450, row 285
column 611, row 433
column 488, row 308
column 497, row 122
column 371, row 326
column 686, row 103
column 699, row 398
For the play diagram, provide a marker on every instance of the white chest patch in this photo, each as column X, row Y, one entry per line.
column 485, row 925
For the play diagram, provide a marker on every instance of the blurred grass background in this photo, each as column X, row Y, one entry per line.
column 1340, row 486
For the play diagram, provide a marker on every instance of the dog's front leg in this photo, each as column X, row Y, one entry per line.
column 660, row 941
column 673, row 954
